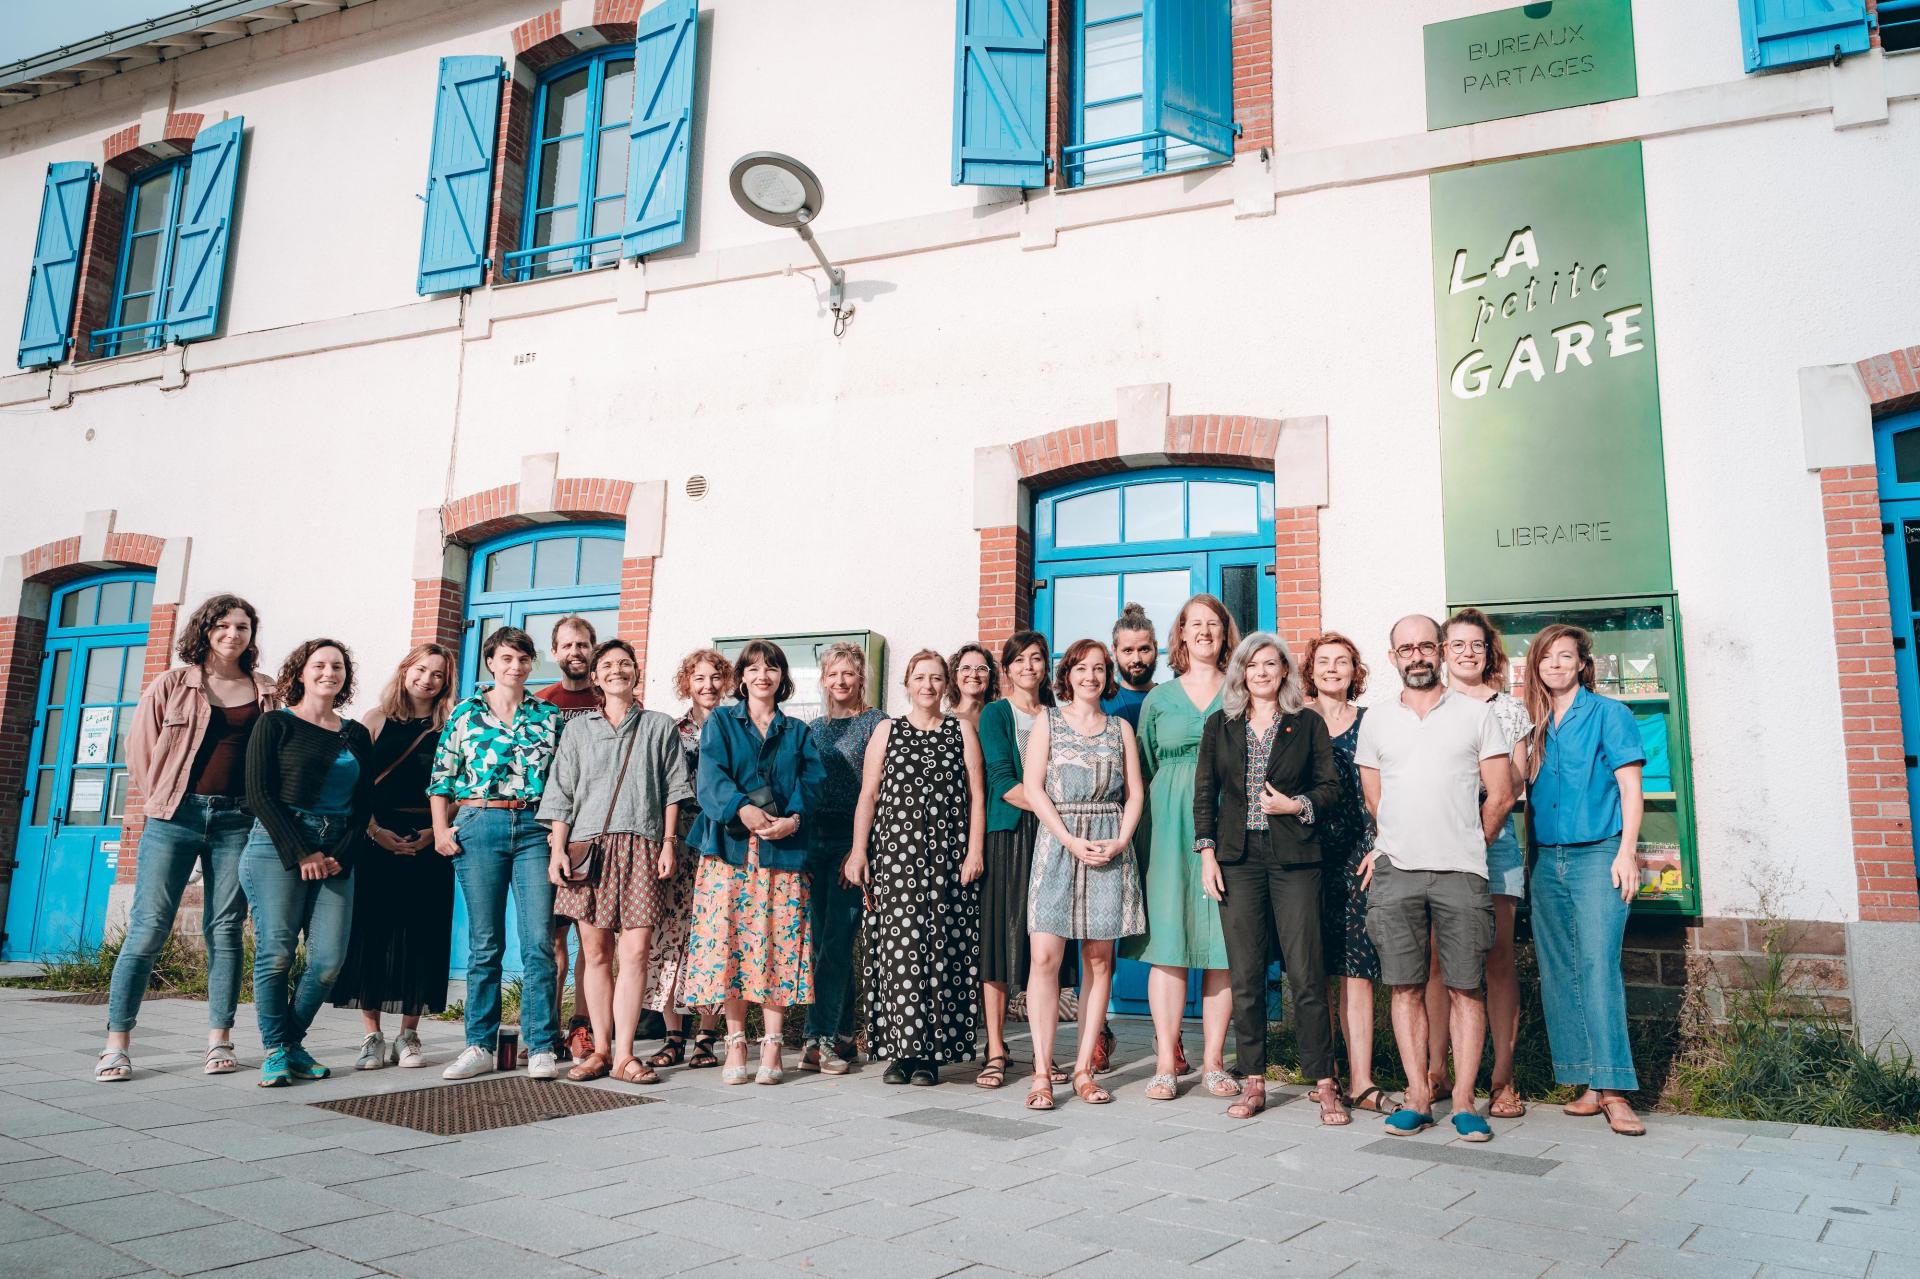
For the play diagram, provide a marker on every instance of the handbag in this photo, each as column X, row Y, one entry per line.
column 585, row 855
column 761, row 797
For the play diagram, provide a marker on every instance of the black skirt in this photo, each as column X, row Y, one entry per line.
column 401, row 944
column 1005, row 949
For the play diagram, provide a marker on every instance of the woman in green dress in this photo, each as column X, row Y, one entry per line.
column 1183, row 923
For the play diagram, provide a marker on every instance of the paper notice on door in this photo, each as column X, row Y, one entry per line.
column 89, row 793
column 96, row 735
column 110, row 849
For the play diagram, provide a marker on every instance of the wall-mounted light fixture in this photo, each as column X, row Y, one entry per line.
column 780, row 191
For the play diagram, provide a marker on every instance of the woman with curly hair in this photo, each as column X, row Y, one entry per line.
column 704, row 678
column 976, row 682
column 187, row 752
column 310, row 787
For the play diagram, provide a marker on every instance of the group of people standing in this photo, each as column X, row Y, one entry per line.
column 1022, row 825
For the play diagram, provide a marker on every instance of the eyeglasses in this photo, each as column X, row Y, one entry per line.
column 1425, row 648
column 970, row 670
column 1466, row 646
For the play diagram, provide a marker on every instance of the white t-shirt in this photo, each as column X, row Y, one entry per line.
column 1430, row 781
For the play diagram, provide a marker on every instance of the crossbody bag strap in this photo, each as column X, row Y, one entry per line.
column 401, row 758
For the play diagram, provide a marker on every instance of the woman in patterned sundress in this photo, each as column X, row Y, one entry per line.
column 1083, row 782
column 1335, row 677
column 918, row 849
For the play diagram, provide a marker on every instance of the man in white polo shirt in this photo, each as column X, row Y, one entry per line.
column 1423, row 761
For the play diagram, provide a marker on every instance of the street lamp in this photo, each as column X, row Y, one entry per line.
column 780, row 191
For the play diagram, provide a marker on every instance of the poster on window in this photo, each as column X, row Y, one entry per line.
column 96, row 735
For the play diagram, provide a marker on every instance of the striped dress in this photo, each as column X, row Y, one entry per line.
column 1087, row 782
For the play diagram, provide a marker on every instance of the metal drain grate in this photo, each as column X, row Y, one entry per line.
column 100, row 997
column 481, row 1107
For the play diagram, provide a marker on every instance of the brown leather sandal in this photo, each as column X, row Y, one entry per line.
column 1086, row 1090
column 635, row 1071
column 1621, row 1119
column 1585, row 1106
column 1251, row 1101
column 1040, row 1090
column 994, row 1073
column 593, row 1066
column 1505, row 1103
column 1333, row 1110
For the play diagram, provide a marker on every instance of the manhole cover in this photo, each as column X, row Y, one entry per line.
column 479, row 1107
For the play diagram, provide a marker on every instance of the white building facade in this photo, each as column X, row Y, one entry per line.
column 311, row 430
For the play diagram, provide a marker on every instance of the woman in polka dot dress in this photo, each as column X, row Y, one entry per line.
column 918, row 840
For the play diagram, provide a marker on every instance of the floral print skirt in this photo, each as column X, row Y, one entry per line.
column 750, row 936
column 667, row 960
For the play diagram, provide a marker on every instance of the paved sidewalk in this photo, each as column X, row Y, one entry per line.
column 174, row 1172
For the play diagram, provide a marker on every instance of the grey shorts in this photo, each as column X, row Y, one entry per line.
column 1404, row 907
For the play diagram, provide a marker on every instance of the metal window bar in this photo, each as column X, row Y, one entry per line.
column 520, row 262
column 100, row 337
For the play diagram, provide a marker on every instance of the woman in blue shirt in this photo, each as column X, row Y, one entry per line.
column 1584, row 801
column 759, row 774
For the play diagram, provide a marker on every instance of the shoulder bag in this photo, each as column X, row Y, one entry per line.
column 585, row 855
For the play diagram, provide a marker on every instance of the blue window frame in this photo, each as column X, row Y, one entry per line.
column 533, row 579
column 576, row 203
column 1110, row 64
column 148, row 248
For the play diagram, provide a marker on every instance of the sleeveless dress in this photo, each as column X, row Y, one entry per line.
column 922, row 927
column 1346, row 836
column 1087, row 782
column 401, row 944
column 1183, row 923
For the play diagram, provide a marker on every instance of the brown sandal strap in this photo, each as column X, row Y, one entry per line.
column 593, row 1066
column 1505, row 1103
column 625, row 1072
column 1252, row 1100
column 1628, row 1127
column 1040, row 1092
column 1088, row 1091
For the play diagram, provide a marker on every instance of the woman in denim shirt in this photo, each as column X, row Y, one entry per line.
column 310, row 787
column 750, row 928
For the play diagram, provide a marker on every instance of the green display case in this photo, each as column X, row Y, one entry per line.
column 1638, row 660
column 803, row 652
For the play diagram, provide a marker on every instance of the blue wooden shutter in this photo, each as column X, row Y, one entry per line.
column 206, row 228
column 661, row 137
column 1000, row 94
column 1189, row 72
column 1783, row 33
column 466, row 113
column 56, row 264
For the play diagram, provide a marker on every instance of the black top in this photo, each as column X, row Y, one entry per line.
column 220, row 765
column 288, row 760
column 400, row 798
column 1301, row 764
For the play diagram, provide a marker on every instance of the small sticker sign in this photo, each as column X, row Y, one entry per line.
column 96, row 736
column 89, row 794
column 111, row 849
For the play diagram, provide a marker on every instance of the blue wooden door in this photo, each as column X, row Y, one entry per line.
column 532, row 580
column 76, row 795
column 1153, row 538
column 1897, row 448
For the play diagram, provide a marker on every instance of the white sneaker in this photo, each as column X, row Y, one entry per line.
column 473, row 1060
column 543, row 1066
column 408, row 1054
column 373, row 1052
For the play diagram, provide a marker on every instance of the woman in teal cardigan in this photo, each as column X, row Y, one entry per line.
column 1011, row 833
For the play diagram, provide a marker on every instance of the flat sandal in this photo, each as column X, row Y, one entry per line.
column 993, row 1074
column 1088, row 1091
column 593, row 1066
column 672, row 1051
column 1505, row 1103
column 1040, row 1091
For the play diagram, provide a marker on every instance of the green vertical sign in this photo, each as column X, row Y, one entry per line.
column 1537, row 57
column 1553, row 478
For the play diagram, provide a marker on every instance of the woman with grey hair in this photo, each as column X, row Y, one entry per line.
column 1265, row 765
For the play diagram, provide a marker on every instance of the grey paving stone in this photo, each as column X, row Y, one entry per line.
column 311, row 1264
column 645, row 1257
column 1904, row 1215
column 752, row 1267
column 1851, row 1188
column 12, row 1151
column 472, row 1158
column 236, row 1140
column 1082, row 1192
column 376, row 1139
column 186, row 1252
column 1188, row 1150
column 62, row 1256
column 1029, row 1253
column 1011, row 1212
column 1240, row 1219
column 157, row 1111
column 1767, row 1198
column 910, row 1188
column 1701, row 1211
column 1254, row 1257
column 476, row 1257
column 859, row 1258
column 17, row 1224
column 321, row 1167
column 620, row 1199
column 28, row 1119
column 1555, row 1215
column 787, row 1199
column 548, row 1180
column 135, row 1217
column 38, row 1169
column 118, row 1150
column 1405, row 1214
column 1539, row 1241
column 1665, row 1263
column 420, row 1192
column 1832, row 1259
column 74, row 1188
column 878, row 1220
column 1203, row 1183
column 980, row 1125
column 1162, row 1239
column 538, row 1226
column 373, row 1239
column 283, row 1204
column 202, row 1174
column 755, row 1234
column 822, row 1170
column 1465, row 1156
column 1375, row 1248
column 1892, row 1242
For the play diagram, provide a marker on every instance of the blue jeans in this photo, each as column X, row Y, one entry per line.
column 212, row 832
column 502, row 848
column 836, row 911
column 1579, row 922
column 284, row 907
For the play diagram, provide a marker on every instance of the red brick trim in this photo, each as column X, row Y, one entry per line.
column 1206, row 439
column 1893, row 380
column 439, row 603
column 23, row 640
column 125, row 152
